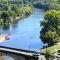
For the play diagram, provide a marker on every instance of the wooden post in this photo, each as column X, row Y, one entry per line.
column 1, row 56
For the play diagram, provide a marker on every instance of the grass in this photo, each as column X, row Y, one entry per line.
column 52, row 49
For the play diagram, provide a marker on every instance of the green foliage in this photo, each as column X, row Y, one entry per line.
column 12, row 11
column 54, row 6
column 51, row 37
column 5, row 16
column 26, row 10
column 50, row 31
column 52, row 49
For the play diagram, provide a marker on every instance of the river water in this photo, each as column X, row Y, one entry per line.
column 25, row 33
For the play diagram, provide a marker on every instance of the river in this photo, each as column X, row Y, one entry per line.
column 25, row 33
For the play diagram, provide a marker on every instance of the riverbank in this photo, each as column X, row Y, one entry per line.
column 15, row 13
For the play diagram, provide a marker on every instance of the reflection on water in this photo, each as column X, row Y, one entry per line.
column 5, row 26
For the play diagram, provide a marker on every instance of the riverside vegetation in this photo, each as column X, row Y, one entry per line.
column 50, row 32
column 12, row 12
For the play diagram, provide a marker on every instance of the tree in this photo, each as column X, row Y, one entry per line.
column 54, row 6
column 51, row 27
column 5, row 16
column 25, row 9
column 50, row 37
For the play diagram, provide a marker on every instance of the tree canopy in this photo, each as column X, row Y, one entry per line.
column 51, row 27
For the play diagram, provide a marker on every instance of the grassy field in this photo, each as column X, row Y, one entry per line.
column 52, row 49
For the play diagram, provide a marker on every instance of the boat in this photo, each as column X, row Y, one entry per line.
column 4, row 37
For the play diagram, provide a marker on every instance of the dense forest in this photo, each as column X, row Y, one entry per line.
column 50, row 32
column 27, row 1
column 11, row 11
column 44, row 4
